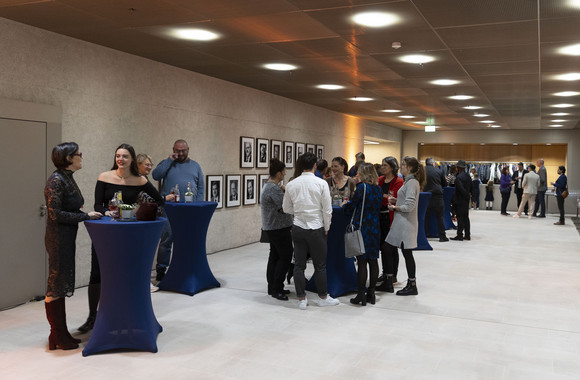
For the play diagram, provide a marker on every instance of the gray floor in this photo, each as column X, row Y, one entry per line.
column 505, row 305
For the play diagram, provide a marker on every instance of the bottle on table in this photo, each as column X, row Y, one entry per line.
column 176, row 192
column 336, row 198
column 188, row 194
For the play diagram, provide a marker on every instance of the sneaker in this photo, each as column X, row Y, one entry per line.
column 153, row 288
column 302, row 304
column 328, row 301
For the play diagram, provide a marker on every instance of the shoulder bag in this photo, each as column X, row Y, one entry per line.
column 565, row 192
column 353, row 239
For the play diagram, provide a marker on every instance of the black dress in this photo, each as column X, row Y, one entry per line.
column 64, row 200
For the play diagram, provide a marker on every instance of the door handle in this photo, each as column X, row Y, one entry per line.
column 43, row 210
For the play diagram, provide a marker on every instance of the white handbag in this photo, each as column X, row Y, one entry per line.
column 353, row 239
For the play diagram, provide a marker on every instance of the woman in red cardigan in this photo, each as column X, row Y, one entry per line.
column 390, row 182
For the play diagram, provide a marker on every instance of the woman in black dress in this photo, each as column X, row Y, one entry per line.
column 64, row 201
column 124, row 177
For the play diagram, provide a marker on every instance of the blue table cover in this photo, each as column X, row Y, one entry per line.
column 189, row 271
column 340, row 271
column 433, row 229
column 125, row 319
column 422, row 242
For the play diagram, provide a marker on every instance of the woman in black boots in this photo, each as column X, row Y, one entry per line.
column 63, row 200
column 367, row 200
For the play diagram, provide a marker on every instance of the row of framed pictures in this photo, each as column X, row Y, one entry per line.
column 235, row 192
column 255, row 152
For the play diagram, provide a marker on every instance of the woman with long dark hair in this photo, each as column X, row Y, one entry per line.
column 505, row 187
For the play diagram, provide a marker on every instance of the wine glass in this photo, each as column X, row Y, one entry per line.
column 114, row 208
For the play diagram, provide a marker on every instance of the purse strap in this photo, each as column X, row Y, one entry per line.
column 362, row 208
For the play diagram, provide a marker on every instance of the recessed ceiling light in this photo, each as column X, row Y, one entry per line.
column 330, row 86
column 461, row 97
column 563, row 105
column 495, row 126
column 472, row 107
column 391, row 111
column 280, row 66
column 417, row 58
column 195, row 34
column 480, row 115
column 568, row 76
column 375, row 19
column 514, row 143
column 407, row 117
column 487, row 121
column 570, row 50
column 558, row 121
column 368, row 142
column 430, row 128
column 361, row 99
column 548, row 144
column 555, row 125
column 567, row 93
column 445, row 82
column 420, row 122
column 560, row 114
column 481, row 143
column 422, row 143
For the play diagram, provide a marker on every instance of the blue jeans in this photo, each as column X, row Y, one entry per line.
column 165, row 244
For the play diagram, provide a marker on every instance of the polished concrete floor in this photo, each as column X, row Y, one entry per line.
column 505, row 305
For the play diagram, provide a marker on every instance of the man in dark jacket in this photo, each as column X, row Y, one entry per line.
column 461, row 199
column 434, row 185
column 518, row 178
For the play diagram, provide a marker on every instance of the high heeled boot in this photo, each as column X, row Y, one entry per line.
column 59, row 336
column 410, row 289
column 360, row 298
column 371, row 297
column 94, row 297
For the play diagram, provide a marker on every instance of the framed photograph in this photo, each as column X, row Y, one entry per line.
column 289, row 154
column 300, row 149
column 262, row 153
column 263, row 179
column 233, row 187
column 320, row 151
column 311, row 148
column 276, row 149
column 246, row 152
column 250, row 189
column 215, row 189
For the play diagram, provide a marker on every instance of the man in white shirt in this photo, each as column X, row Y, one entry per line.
column 308, row 199
column 530, row 185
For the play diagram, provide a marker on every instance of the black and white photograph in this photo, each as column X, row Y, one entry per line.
column 214, row 191
column 246, row 152
column 311, row 148
column 300, row 149
column 320, row 152
column 289, row 154
column 233, row 187
column 262, row 153
column 276, row 149
column 250, row 190
column 263, row 179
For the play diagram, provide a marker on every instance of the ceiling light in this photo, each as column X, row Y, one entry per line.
column 487, row 121
column 422, row 143
column 361, row 99
column 420, row 122
column 417, row 58
column 445, row 82
column 330, row 86
column 570, row 50
column 195, row 34
column 481, row 143
column 461, row 97
column 407, row 117
column 567, row 93
column 280, row 66
column 480, row 115
column 451, row 143
column 563, row 105
column 495, row 126
column 568, row 76
column 548, row 144
column 555, row 125
column 430, row 128
column 391, row 111
column 560, row 114
column 375, row 19
column 472, row 107
column 514, row 143
column 558, row 121
column 368, row 142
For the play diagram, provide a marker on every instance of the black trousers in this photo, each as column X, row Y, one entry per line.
column 436, row 205
column 505, row 198
column 387, row 256
column 540, row 203
column 391, row 251
column 463, row 224
column 560, row 201
column 279, row 260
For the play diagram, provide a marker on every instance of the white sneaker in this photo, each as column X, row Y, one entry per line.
column 328, row 301
column 153, row 288
column 302, row 304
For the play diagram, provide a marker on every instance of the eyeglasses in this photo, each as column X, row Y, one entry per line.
column 78, row 154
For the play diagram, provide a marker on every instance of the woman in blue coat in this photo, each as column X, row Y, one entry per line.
column 370, row 229
column 560, row 185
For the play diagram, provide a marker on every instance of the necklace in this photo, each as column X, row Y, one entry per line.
column 117, row 173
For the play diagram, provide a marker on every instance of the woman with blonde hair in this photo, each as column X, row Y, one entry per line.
column 369, row 190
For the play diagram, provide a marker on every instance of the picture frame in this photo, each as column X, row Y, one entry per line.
column 246, row 152
column 289, row 154
column 262, row 181
column 215, row 189
column 300, row 149
column 233, row 186
column 320, row 152
column 262, row 153
column 311, row 148
column 276, row 149
column 250, row 189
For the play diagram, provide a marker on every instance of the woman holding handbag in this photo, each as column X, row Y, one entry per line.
column 363, row 209
column 403, row 233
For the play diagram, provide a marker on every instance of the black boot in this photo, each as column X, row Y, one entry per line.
column 410, row 289
column 160, row 274
column 59, row 336
column 382, row 277
column 387, row 285
column 94, row 297
column 359, row 299
column 371, row 298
